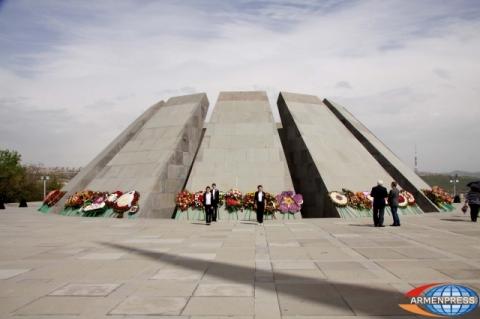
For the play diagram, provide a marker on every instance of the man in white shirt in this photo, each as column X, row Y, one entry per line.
column 259, row 203
column 207, row 204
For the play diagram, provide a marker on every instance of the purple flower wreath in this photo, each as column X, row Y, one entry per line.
column 289, row 202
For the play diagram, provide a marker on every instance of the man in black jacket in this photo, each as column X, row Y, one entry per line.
column 259, row 203
column 393, row 197
column 207, row 205
column 379, row 194
column 215, row 201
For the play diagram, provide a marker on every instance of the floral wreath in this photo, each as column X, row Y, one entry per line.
column 53, row 197
column 271, row 204
column 78, row 199
column 338, row 199
column 198, row 200
column 248, row 201
column 233, row 200
column 289, row 202
column 409, row 197
column 112, row 198
column 126, row 201
column 184, row 200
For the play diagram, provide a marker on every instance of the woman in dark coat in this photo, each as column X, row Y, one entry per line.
column 473, row 200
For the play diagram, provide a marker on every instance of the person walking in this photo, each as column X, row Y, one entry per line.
column 207, row 205
column 379, row 194
column 393, row 203
column 215, row 201
column 259, row 203
column 472, row 199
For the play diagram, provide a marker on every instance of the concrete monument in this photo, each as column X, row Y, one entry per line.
column 328, row 149
column 152, row 156
column 241, row 147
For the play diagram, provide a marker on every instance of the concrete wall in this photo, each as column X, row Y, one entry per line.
column 403, row 174
column 323, row 154
column 241, row 147
column 88, row 173
column 156, row 158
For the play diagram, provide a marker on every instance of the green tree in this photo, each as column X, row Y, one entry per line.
column 55, row 183
column 12, row 176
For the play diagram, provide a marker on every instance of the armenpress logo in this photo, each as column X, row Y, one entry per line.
column 441, row 300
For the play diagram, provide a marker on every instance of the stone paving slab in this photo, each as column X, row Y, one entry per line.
column 9, row 273
column 150, row 305
column 55, row 267
column 87, row 290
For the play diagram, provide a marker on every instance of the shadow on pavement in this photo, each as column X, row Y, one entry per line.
column 456, row 220
column 361, row 225
column 326, row 296
column 249, row 223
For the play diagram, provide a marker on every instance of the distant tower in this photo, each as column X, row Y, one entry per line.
column 415, row 159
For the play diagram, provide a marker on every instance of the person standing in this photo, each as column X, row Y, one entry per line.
column 379, row 194
column 207, row 205
column 259, row 203
column 472, row 199
column 393, row 203
column 215, row 201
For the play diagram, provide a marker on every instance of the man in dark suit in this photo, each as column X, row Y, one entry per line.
column 215, row 201
column 393, row 197
column 207, row 205
column 379, row 193
column 259, row 203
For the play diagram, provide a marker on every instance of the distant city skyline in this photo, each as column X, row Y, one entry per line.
column 74, row 74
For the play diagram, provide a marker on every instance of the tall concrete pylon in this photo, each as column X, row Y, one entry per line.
column 325, row 154
column 152, row 156
column 241, row 147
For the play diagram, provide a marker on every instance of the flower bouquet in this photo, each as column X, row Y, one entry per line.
column 271, row 204
column 77, row 200
column 198, row 200
column 249, row 201
column 125, row 202
column 289, row 202
column 358, row 200
column 440, row 197
column 233, row 200
column 184, row 200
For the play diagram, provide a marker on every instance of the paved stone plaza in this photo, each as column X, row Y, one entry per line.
column 53, row 266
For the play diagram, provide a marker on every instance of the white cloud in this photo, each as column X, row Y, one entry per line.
column 408, row 70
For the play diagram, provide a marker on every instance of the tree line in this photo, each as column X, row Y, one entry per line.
column 22, row 182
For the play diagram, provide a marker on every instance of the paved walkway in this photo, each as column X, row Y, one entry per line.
column 68, row 267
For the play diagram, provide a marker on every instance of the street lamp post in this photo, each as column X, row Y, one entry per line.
column 44, row 179
column 454, row 180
